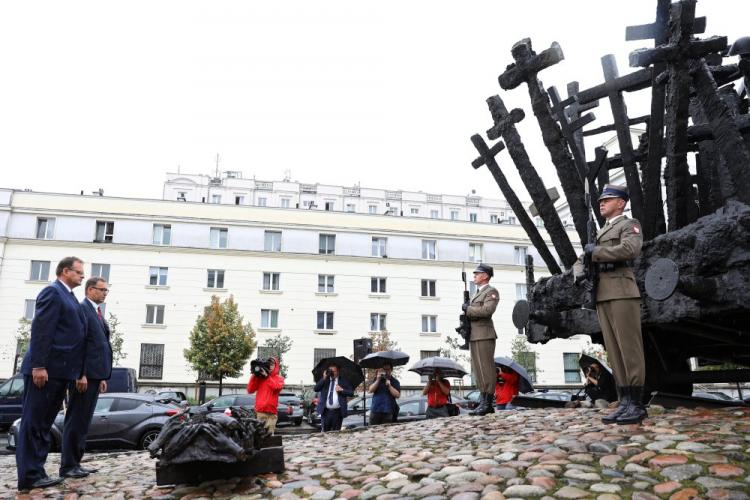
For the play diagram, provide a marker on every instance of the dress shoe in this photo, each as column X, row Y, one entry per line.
column 75, row 473
column 46, row 482
column 88, row 470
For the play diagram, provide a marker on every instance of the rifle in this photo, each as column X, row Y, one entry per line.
column 464, row 327
column 590, row 267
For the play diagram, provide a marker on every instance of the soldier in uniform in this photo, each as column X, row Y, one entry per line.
column 618, row 302
column 482, row 342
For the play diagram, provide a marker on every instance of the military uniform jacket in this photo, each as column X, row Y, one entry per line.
column 618, row 242
column 480, row 311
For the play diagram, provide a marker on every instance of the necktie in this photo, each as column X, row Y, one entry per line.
column 330, row 392
column 99, row 313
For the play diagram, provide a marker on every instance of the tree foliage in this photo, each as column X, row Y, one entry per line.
column 220, row 344
column 452, row 350
column 522, row 352
column 381, row 341
column 116, row 340
column 23, row 337
column 277, row 346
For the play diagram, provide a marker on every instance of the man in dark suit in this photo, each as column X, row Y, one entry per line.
column 84, row 393
column 332, row 401
column 54, row 358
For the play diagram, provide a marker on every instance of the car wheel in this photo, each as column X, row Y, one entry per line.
column 148, row 437
column 297, row 422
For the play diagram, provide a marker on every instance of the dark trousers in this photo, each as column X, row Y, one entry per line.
column 331, row 420
column 40, row 407
column 77, row 421
column 381, row 417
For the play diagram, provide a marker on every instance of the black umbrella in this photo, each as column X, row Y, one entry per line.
column 347, row 370
column 448, row 367
column 585, row 361
column 606, row 379
column 378, row 359
column 524, row 385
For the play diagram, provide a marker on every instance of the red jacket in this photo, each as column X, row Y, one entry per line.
column 268, row 390
column 504, row 392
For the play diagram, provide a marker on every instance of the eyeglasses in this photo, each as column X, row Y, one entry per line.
column 105, row 290
column 74, row 271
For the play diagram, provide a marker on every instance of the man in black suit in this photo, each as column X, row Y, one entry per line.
column 84, row 393
column 54, row 358
column 332, row 400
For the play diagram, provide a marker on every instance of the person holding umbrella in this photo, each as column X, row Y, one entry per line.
column 385, row 390
column 333, row 391
column 437, row 391
column 506, row 387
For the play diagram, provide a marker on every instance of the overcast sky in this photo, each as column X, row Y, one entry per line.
column 113, row 95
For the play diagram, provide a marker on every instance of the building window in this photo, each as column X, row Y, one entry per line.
column 429, row 324
column 327, row 244
column 105, row 231
column 493, row 219
column 218, row 237
column 325, row 283
column 269, row 318
column 215, row 198
column 475, row 252
column 454, row 214
column 215, row 278
column 377, row 285
column 428, row 288
column 373, row 209
column 262, row 201
column 152, row 361
column 239, row 200
column 162, row 234
column 271, row 281
column 181, row 195
column 428, row 249
column 29, row 306
column 272, row 241
column 434, row 214
column 321, row 354
column 414, row 211
column 39, row 270
column 472, row 217
column 157, row 276
column 100, row 270
column 424, row 355
column 45, row 228
column 284, row 202
column 519, row 255
column 521, row 289
column 527, row 359
column 154, row 315
column 329, row 206
column 379, row 246
column 325, row 320
column 572, row 372
column 377, row 322
column 512, row 220
column 350, row 207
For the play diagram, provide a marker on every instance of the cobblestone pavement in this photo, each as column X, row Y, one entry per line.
column 560, row 453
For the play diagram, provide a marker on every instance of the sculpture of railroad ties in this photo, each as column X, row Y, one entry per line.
column 204, row 446
column 694, row 269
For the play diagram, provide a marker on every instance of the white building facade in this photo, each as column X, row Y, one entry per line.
column 322, row 278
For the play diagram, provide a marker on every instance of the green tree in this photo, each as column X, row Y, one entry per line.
column 381, row 341
column 115, row 339
column 522, row 352
column 220, row 344
column 23, row 337
column 278, row 346
column 452, row 350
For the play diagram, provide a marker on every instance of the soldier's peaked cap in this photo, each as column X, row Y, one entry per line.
column 484, row 268
column 614, row 191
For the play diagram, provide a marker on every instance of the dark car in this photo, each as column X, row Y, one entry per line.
column 122, row 380
column 714, row 395
column 472, row 399
column 121, row 420
column 411, row 409
column 292, row 407
column 11, row 399
column 288, row 413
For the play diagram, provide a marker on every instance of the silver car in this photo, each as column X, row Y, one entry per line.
column 121, row 420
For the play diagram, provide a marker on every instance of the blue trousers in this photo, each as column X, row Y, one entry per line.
column 77, row 421
column 40, row 407
column 330, row 420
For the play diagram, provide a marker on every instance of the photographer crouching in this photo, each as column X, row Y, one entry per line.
column 266, row 381
column 332, row 401
column 437, row 391
column 385, row 389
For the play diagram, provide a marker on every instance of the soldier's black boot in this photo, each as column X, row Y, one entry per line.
column 482, row 409
column 490, row 402
column 635, row 412
column 624, row 393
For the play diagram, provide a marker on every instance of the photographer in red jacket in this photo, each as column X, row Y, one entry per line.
column 266, row 381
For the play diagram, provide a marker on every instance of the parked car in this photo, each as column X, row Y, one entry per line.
column 472, row 399
column 288, row 409
column 121, row 420
column 122, row 380
column 177, row 397
column 411, row 409
column 294, row 410
column 11, row 399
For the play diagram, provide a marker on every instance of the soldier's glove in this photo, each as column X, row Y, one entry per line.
column 464, row 306
column 587, row 285
column 588, row 249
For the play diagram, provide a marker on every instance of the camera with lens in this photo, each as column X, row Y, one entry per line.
column 260, row 367
column 329, row 373
column 382, row 376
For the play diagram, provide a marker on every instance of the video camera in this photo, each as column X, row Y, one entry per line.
column 260, row 367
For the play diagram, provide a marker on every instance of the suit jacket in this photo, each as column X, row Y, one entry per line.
column 480, row 311
column 58, row 333
column 618, row 242
column 98, row 358
column 322, row 388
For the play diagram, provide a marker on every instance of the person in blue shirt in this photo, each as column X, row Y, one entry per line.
column 385, row 390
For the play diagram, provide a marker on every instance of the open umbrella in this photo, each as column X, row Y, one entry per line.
column 606, row 384
column 377, row 359
column 347, row 370
column 585, row 361
column 448, row 367
column 524, row 385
